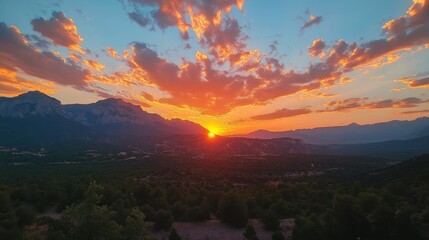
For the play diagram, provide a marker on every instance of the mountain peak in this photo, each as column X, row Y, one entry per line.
column 33, row 93
column 33, row 103
column 36, row 95
column 261, row 131
column 104, row 114
column 118, row 103
column 112, row 101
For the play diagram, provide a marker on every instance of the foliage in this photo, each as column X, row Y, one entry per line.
column 355, row 198
column 270, row 220
column 233, row 210
column 250, row 232
column 174, row 235
column 90, row 221
column 164, row 220
column 278, row 236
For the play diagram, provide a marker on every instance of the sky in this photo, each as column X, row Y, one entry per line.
column 233, row 66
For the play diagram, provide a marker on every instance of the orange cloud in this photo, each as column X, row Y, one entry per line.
column 75, row 57
column 175, row 12
column 222, row 36
column 17, row 53
column 345, row 80
column 255, row 79
column 415, row 112
column 204, row 84
column 362, row 103
column 132, row 77
column 61, row 30
column 415, row 83
column 112, row 52
column 197, row 85
column 282, row 113
column 317, row 48
column 94, row 65
column 11, row 84
column 410, row 30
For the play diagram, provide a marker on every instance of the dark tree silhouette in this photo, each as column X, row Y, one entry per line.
column 250, row 233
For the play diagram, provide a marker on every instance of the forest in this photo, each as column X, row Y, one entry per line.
column 328, row 197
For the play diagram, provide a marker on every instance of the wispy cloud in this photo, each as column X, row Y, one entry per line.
column 363, row 103
column 313, row 20
column 282, row 113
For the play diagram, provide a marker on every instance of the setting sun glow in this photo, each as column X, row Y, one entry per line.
column 211, row 135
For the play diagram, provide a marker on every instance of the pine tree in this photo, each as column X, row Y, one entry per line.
column 174, row 235
column 250, row 232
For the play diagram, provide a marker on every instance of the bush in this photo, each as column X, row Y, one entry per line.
column 174, row 235
column 250, row 233
column 164, row 220
column 233, row 210
column 270, row 220
column 278, row 236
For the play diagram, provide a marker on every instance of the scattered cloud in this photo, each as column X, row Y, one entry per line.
column 410, row 30
column 175, row 13
column 313, row 20
column 282, row 113
column 225, row 74
column 415, row 112
column 16, row 53
column 61, row 30
column 415, row 83
column 218, row 32
column 273, row 47
column 11, row 84
column 112, row 52
column 317, row 48
column 196, row 84
column 363, row 103
column 140, row 19
column 254, row 78
column 94, row 65
column 38, row 41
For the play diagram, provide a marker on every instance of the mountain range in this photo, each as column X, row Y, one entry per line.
column 36, row 117
column 34, row 120
column 352, row 133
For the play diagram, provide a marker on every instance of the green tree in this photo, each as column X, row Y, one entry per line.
column 174, row 235
column 25, row 215
column 88, row 220
column 307, row 228
column 270, row 220
column 350, row 221
column 250, row 233
column 8, row 219
column 278, row 236
column 233, row 210
column 164, row 220
column 134, row 227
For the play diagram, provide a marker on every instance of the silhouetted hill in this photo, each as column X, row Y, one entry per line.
column 395, row 149
column 353, row 133
column 35, row 119
column 118, row 117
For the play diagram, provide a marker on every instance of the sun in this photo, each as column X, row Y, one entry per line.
column 211, row 135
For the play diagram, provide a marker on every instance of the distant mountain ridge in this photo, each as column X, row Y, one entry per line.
column 34, row 117
column 34, row 120
column 115, row 115
column 352, row 133
column 30, row 104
